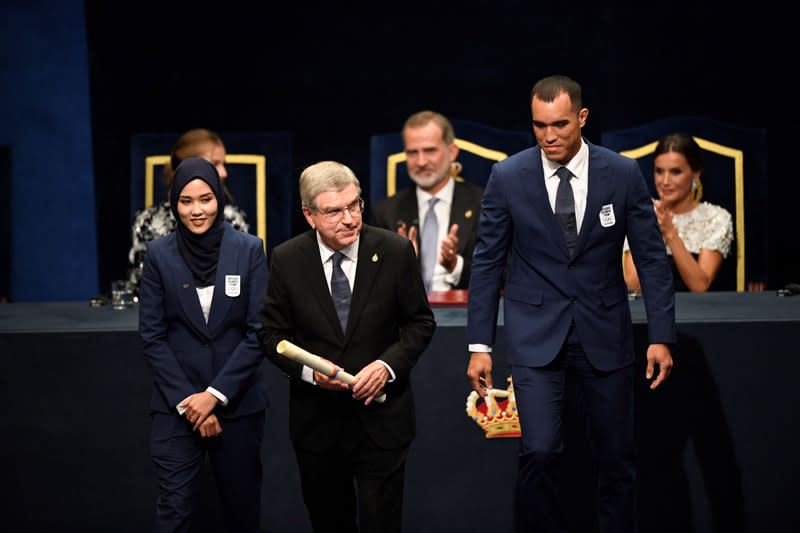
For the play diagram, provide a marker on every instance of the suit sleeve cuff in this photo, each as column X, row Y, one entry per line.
column 391, row 372
column 480, row 348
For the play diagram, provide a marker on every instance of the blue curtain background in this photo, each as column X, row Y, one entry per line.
column 45, row 120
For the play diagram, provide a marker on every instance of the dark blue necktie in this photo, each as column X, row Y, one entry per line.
column 340, row 289
column 565, row 208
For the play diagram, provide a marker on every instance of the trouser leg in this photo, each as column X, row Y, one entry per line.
column 607, row 402
column 328, row 491
column 539, row 394
column 236, row 460
column 380, row 476
column 178, row 459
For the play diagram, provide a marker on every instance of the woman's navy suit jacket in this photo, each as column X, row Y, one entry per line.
column 185, row 354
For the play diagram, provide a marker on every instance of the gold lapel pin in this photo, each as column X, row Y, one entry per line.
column 375, row 258
column 468, row 214
column 186, row 285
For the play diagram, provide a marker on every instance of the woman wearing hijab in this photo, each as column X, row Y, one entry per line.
column 200, row 297
column 156, row 221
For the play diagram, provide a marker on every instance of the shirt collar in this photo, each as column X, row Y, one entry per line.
column 350, row 251
column 576, row 165
column 445, row 194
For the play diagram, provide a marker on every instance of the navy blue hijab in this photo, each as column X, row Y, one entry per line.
column 201, row 252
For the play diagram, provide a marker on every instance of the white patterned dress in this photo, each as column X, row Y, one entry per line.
column 706, row 226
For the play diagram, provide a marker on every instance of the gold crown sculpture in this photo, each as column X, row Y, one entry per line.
column 497, row 418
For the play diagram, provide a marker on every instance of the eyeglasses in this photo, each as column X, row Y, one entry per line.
column 335, row 215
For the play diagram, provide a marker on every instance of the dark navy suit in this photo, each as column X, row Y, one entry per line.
column 570, row 311
column 188, row 355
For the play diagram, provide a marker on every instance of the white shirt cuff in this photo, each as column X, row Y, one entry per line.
column 391, row 372
column 480, row 348
column 452, row 278
column 180, row 409
column 218, row 395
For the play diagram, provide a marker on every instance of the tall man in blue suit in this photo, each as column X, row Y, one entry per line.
column 558, row 214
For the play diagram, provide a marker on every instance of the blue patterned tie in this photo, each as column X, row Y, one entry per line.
column 428, row 252
column 565, row 208
column 340, row 289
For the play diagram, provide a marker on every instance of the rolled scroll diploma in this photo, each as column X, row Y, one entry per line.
column 292, row 351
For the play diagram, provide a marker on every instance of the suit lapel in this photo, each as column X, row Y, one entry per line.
column 596, row 187
column 227, row 264
column 187, row 294
column 314, row 276
column 370, row 257
column 538, row 199
column 461, row 213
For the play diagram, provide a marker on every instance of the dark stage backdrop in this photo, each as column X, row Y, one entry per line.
column 334, row 74
column 5, row 222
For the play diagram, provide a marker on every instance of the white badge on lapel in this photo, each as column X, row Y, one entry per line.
column 233, row 285
column 607, row 216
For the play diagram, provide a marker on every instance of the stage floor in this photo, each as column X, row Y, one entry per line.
column 716, row 442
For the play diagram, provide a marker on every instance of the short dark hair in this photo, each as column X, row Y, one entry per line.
column 547, row 89
column 681, row 143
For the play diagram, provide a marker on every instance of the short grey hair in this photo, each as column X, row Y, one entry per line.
column 323, row 177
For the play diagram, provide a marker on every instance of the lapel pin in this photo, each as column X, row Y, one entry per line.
column 186, row 285
column 374, row 258
column 468, row 214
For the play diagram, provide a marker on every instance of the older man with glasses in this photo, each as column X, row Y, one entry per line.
column 353, row 295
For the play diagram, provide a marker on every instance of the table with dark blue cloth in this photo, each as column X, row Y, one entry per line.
column 716, row 443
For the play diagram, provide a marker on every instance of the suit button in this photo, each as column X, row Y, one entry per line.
column 571, row 266
column 574, row 301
